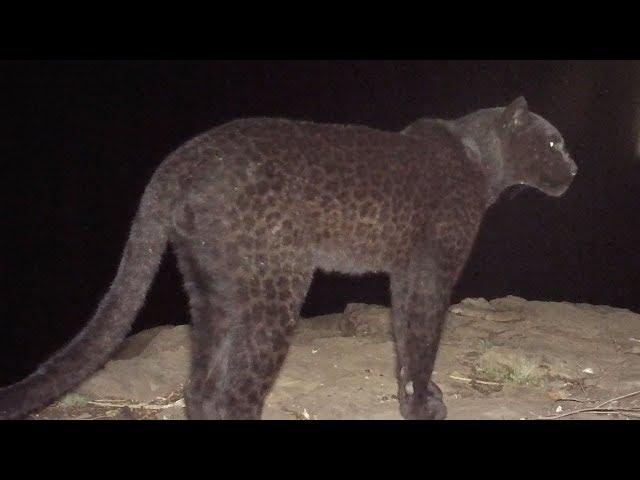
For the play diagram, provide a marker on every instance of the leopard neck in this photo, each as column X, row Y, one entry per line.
column 479, row 129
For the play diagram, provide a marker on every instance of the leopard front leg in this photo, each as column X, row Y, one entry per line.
column 419, row 305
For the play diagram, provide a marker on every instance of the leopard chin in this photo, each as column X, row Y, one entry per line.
column 555, row 190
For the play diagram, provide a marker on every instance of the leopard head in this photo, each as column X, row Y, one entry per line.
column 533, row 151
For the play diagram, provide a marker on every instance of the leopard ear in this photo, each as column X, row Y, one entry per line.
column 514, row 114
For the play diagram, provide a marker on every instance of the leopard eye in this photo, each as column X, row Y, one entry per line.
column 555, row 144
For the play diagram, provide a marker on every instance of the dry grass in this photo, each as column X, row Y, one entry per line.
column 509, row 368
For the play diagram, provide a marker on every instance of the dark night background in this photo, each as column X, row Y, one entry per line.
column 81, row 139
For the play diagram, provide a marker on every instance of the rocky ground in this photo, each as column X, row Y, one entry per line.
column 506, row 358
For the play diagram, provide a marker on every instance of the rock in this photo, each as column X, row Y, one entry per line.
column 482, row 309
column 479, row 303
column 168, row 339
column 603, row 309
column 467, row 311
column 510, row 302
column 136, row 344
column 160, row 368
column 323, row 326
column 504, row 316
column 361, row 320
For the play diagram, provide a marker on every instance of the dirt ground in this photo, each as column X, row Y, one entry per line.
column 501, row 359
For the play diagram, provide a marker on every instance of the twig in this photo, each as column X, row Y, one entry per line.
column 582, row 388
column 619, row 398
column 146, row 406
column 471, row 380
column 599, row 410
column 579, row 400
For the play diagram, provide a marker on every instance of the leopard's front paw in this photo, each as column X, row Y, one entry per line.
column 423, row 405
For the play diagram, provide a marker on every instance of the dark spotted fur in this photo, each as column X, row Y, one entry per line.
column 253, row 206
